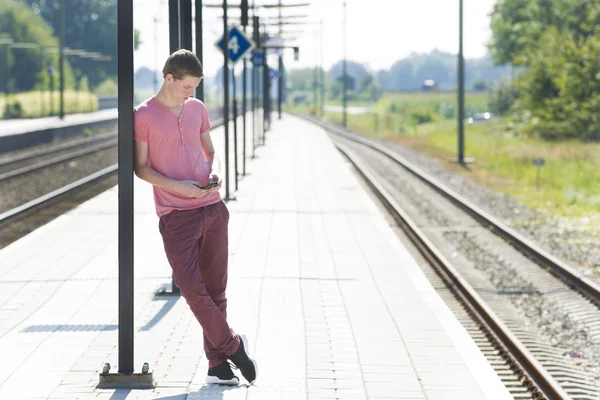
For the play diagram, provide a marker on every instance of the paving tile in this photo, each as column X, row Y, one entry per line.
column 334, row 307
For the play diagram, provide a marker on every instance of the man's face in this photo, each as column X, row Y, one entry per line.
column 182, row 89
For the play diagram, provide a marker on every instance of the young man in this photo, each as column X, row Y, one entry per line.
column 174, row 152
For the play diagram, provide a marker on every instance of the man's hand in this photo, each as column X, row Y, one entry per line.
column 215, row 178
column 191, row 189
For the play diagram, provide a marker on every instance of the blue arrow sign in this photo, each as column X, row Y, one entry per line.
column 258, row 58
column 238, row 45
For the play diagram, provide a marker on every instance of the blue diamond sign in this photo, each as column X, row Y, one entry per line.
column 258, row 58
column 238, row 44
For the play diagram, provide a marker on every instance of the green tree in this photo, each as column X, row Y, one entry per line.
column 502, row 98
column 366, row 82
column 480, row 85
column 20, row 24
column 91, row 25
column 516, row 28
column 557, row 41
column 301, row 79
column 518, row 25
column 561, row 89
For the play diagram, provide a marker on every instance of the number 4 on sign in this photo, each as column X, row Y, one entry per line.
column 237, row 46
column 233, row 45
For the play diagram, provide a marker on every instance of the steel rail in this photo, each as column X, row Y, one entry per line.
column 542, row 379
column 557, row 267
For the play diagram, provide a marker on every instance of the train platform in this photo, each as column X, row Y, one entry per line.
column 16, row 134
column 19, row 126
column 334, row 306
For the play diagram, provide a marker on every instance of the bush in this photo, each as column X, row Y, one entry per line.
column 108, row 87
column 420, row 116
column 13, row 110
column 502, row 98
column 447, row 110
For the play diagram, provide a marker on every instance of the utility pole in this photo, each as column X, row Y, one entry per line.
column 244, row 5
column 155, row 77
column 173, row 26
column 255, row 80
column 322, row 72
column 315, row 77
column 61, row 65
column 199, row 49
column 235, row 135
column 344, row 76
column 185, row 18
column 280, row 68
column 461, row 89
column 226, row 95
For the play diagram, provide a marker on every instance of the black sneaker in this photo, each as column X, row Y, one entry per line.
column 222, row 374
column 242, row 360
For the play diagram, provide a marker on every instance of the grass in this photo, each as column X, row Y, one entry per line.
column 37, row 104
column 569, row 181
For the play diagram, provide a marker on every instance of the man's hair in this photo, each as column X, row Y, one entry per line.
column 181, row 63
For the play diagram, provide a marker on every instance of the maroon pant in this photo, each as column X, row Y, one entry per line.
column 196, row 243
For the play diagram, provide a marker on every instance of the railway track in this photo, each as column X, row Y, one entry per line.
column 24, row 218
column 470, row 254
column 21, row 220
column 11, row 167
column 32, row 161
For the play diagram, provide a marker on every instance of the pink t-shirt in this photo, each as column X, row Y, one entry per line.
column 175, row 149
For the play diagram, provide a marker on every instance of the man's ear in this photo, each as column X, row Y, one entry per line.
column 169, row 77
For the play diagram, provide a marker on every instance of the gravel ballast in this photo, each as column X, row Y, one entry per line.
column 565, row 238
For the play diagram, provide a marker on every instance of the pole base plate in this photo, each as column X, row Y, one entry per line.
column 467, row 160
column 127, row 381
column 167, row 290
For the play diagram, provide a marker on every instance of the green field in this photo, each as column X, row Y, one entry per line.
column 503, row 160
column 41, row 104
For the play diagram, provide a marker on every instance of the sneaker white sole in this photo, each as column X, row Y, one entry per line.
column 245, row 341
column 218, row 381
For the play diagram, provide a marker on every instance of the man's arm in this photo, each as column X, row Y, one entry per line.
column 143, row 171
column 207, row 148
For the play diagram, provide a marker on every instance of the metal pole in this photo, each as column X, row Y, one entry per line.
column 244, row 4
column 199, row 49
column 266, row 96
column 226, row 95
column 61, row 66
column 253, row 111
column 322, row 72
column 244, row 83
column 344, row 76
column 235, row 136
column 174, row 43
column 41, row 57
column 280, row 86
column 52, row 93
column 126, row 151
column 461, row 89
column 256, row 35
column 185, row 15
column 173, row 25
column 7, row 75
column 280, row 69
column 154, row 76
column 315, row 78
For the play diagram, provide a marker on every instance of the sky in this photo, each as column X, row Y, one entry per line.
column 378, row 32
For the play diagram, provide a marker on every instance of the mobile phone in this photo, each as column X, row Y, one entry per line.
column 209, row 185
